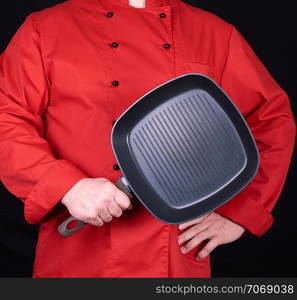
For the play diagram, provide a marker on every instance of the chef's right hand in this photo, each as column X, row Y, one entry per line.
column 95, row 201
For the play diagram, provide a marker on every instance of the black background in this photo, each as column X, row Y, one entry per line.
column 270, row 27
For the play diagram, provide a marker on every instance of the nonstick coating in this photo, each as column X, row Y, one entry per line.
column 185, row 149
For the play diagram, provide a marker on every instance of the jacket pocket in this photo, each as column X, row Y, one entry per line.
column 204, row 69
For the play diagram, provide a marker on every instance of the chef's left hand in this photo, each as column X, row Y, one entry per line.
column 217, row 230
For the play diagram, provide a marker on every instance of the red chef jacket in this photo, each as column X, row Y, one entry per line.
column 70, row 71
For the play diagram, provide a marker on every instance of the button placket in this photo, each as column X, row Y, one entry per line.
column 166, row 21
column 113, row 44
column 168, row 46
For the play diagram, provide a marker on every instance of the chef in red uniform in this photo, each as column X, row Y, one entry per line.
column 68, row 73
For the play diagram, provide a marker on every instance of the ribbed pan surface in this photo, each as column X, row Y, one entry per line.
column 188, row 149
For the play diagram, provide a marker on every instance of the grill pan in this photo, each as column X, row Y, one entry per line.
column 184, row 150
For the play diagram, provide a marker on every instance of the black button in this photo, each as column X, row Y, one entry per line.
column 162, row 15
column 109, row 14
column 116, row 167
column 115, row 83
column 114, row 44
column 166, row 46
column 113, row 122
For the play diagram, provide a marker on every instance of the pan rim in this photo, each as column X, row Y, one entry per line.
column 245, row 125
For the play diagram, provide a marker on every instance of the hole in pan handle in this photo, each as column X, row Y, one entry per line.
column 65, row 230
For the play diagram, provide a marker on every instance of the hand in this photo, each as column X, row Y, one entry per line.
column 95, row 201
column 216, row 229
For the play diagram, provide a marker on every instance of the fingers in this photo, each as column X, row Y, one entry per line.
column 191, row 232
column 105, row 215
column 207, row 249
column 114, row 209
column 193, row 222
column 200, row 237
column 96, row 222
column 122, row 200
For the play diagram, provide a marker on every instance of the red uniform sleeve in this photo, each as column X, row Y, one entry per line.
column 28, row 168
column 266, row 108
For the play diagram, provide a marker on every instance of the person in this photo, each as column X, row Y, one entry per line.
column 68, row 73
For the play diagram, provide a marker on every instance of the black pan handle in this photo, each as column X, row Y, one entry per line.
column 63, row 229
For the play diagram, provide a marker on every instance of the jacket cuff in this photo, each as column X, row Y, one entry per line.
column 50, row 189
column 248, row 213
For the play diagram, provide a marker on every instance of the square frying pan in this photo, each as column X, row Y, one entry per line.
column 184, row 150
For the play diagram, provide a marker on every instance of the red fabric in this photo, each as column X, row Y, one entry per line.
column 58, row 103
